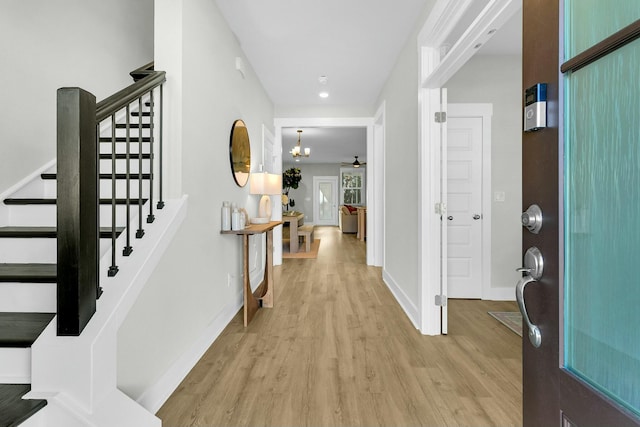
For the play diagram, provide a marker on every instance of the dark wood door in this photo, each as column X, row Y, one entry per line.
column 555, row 392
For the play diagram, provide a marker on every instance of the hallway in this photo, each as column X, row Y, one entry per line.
column 337, row 350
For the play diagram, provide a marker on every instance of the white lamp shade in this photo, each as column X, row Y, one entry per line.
column 265, row 184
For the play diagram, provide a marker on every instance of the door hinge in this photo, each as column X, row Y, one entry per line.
column 441, row 117
column 441, row 300
column 441, row 208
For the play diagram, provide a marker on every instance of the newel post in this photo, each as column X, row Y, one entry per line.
column 77, row 210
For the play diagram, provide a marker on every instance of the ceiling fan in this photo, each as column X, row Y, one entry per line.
column 355, row 164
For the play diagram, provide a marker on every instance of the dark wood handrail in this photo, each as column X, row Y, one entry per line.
column 121, row 99
column 142, row 72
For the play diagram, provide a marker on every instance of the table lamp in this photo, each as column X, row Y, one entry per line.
column 266, row 184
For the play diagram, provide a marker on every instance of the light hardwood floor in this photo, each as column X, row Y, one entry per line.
column 337, row 350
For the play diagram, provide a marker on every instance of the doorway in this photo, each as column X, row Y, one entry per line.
column 374, row 205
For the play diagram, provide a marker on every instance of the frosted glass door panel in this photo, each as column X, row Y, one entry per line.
column 602, row 224
column 326, row 202
column 591, row 21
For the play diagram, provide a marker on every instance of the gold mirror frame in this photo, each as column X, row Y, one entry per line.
column 240, row 153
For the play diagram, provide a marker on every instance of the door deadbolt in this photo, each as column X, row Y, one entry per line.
column 532, row 219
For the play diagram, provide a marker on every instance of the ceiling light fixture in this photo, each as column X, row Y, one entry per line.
column 297, row 150
column 323, row 94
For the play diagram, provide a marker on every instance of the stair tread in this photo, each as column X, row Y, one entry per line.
column 13, row 409
column 101, row 176
column 31, row 273
column 132, row 139
column 22, row 329
column 121, row 156
column 45, row 232
column 133, row 125
column 50, row 201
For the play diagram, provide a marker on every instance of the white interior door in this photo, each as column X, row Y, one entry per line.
column 325, row 200
column 464, row 207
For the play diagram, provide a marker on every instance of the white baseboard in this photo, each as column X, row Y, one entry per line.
column 155, row 396
column 507, row 293
column 405, row 302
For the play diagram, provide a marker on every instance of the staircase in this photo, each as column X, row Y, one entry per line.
column 32, row 249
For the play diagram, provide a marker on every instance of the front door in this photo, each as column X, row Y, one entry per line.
column 583, row 171
column 325, row 200
column 464, row 206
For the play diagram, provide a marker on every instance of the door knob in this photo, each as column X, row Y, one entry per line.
column 450, row 218
column 533, row 268
column 476, row 217
column 532, row 219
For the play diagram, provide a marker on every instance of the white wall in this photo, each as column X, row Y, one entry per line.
column 401, row 172
column 188, row 298
column 303, row 195
column 498, row 80
column 46, row 45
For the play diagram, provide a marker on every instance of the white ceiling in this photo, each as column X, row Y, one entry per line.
column 290, row 43
column 355, row 43
column 328, row 145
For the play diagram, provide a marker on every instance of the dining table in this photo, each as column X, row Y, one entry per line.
column 294, row 219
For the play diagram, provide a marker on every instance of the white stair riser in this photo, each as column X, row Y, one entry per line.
column 121, row 147
column 35, row 250
column 28, row 297
column 45, row 215
column 121, row 189
column 15, row 365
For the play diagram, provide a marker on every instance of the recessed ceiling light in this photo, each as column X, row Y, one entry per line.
column 323, row 94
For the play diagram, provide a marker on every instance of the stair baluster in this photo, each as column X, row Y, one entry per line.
column 140, row 232
column 160, row 176
column 113, row 269
column 128, row 249
column 150, row 217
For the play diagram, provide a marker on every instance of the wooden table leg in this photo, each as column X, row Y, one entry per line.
column 267, row 293
column 251, row 304
column 293, row 237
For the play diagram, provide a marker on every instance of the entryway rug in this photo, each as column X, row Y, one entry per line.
column 313, row 253
column 511, row 319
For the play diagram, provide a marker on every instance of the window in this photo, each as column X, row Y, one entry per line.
column 352, row 186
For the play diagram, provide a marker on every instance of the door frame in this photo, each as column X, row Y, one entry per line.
column 434, row 72
column 316, row 213
column 374, row 205
column 484, row 111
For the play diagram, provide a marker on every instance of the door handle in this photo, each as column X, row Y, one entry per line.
column 450, row 218
column 476, row 217
column 535, row 336
column 533, row 269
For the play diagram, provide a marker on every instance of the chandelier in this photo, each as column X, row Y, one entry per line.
column 297, row 150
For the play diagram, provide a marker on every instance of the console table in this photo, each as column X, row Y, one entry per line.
column 263, row 296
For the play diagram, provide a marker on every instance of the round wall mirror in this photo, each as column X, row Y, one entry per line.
column 240, row 153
